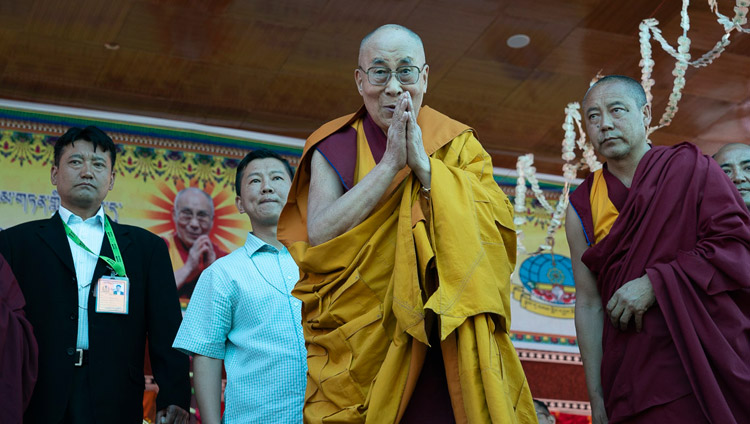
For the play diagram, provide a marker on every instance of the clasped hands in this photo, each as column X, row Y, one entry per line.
column 201, row 254
column 405, row 141
column 631, row 301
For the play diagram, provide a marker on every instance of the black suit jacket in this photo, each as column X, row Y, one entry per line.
column 39, row 255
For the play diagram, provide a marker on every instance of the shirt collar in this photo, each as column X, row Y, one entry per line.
column 254, row 245
column 67, row 216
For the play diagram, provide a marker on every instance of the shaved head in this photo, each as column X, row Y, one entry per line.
column 730, row 147
column 734, row 160
column 386, row 50
column 634, row 88
column 193, row 214
column 617, row 118
column 195, row 191
column 386, row 29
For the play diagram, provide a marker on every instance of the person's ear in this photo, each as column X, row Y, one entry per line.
column 646, row 111
column 53, row 175
column 238, row 203
column 359, row 79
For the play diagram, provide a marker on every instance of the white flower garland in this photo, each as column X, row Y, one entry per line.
column 520, row 200
column 526, row 171
column 647, row 29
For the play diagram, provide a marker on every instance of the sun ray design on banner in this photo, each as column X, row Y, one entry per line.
column 225, row 212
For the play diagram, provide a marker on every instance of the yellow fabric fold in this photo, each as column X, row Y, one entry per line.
column 174, row 254
column 363, row 291
column 365, row 160
column 473, row 235
column 603, row 211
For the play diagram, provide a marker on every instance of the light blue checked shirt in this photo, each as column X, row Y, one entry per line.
column 242, row 311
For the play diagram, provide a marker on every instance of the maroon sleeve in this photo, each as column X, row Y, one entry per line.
column 720, row 260
column 579, row 201
column 18, row 349
column 704, row 295
column 340, row 150
column 685, row 226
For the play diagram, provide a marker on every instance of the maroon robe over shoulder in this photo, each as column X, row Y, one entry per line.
column 684, row 224
column 340, row 149
column 18, row 349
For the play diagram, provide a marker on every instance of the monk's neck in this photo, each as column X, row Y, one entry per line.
column 624, row 168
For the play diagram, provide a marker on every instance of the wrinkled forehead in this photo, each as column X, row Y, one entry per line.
column 391, row 47
column 733, row 155
column 193, row 200
column 608, row 92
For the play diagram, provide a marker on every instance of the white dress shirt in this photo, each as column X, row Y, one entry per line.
column 91, row 233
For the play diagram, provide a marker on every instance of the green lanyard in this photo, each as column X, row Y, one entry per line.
column 118, row 265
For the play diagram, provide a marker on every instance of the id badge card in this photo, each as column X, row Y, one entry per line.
column 112, row 294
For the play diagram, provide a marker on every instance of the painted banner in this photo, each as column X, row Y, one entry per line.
column 543, row 291
column 155, row 162
column 156, row 159
column 153, row 165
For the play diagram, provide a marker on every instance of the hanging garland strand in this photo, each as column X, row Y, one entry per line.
column 526, row 171
column 647, row 29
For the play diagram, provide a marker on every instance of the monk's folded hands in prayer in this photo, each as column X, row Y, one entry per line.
column 395, row 150
column 416, row 157
column 332, row 212
column 405, row 290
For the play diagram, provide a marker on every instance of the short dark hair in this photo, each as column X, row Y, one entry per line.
column 93, row 135
column 542, row 406
column 635, row 89
column 258, row 154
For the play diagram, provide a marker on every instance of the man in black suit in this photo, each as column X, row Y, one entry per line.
column 64, row 265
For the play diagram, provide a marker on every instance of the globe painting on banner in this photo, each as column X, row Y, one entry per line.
column 543, row 292
column 548, row 287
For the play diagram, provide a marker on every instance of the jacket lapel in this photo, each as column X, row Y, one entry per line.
column 53, row 234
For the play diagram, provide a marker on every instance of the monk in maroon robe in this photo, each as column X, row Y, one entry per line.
column 18, row 349
column 660, row 244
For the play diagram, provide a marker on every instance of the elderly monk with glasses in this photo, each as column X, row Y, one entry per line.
column 190, row 247
column 405, row 246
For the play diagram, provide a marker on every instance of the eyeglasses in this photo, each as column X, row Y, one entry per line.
column 186, row 215
column 380, row 75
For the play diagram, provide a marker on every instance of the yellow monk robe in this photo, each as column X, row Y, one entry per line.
column 174, row 254
column 364, row 291
column 603, row 211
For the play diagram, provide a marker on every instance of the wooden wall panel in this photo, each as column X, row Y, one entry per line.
column 286, row 66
